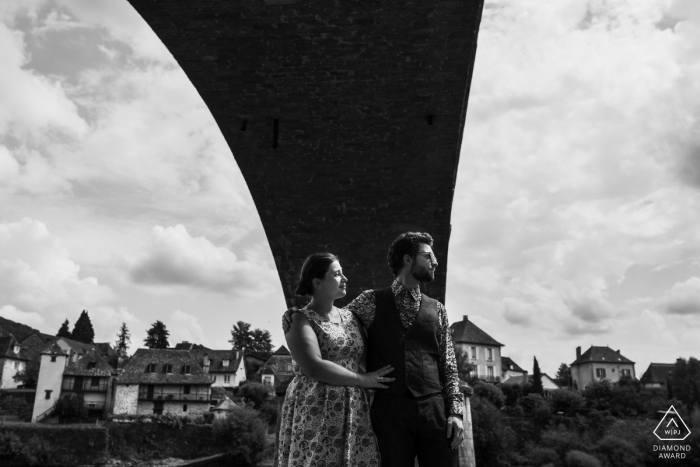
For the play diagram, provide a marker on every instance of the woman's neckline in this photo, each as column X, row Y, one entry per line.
column 327, row 318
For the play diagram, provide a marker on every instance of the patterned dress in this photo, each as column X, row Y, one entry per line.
column 325, row 425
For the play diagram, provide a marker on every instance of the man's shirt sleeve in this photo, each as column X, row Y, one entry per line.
column 448, row 365
column 364, row 307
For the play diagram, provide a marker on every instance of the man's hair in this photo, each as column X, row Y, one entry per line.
column 405, row 244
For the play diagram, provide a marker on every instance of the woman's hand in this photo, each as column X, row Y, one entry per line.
column 376, row 378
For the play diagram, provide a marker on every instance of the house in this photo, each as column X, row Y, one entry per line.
column 658, row 375
column 253, row 362
column 13, row 359
column 483, row 351
column 223, row 408
column 509, row 369
column 598, row 363
column 226, row 368
column 548, row 384
column 277, row 369
column 68, row 366
column 157, row 381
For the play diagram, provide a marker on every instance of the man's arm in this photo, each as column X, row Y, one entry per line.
column 450, row 380
column 364, row 307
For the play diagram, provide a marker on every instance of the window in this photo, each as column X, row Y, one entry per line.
column 48, row 394
column 186, row 389
column 95, row 382
column 267, row 379
column 91, row 365
column 167, row 368
column 600, row 372
column 91, row 405
column 53, row 358
column 489, row 372
column 473, row 353
column 227, row 378
column 186, row 369
column 16, row 349
column 158, row 408
column 184, row 408
column 225, row 363
column 16, row 365
column 489, row 355
column 626, row 372
column 151, row 368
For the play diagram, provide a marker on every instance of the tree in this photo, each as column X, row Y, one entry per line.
column 83, row 331
column 537, row 379
column 64, row 331
column 257, row 340
column 157, row 336
column 123, row 341
column 465, row 369
column 563, row 377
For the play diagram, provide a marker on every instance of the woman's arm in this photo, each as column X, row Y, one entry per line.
column 303, row 345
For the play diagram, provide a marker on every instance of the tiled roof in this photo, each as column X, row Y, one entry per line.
column 54, row 349
column 135, row 371
column 226, row 404
column 216, row 359
column 7, row 348
column 469, row 333
column 189, row 346
column 106, row 348
column 81, row 367
column 282, row 351
column 508, row 364
column 658, row 372
column 601, row 355
column 526, row 378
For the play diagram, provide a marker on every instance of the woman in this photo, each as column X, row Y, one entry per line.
column 325, row 417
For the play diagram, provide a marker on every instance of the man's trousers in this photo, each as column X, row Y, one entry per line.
column 407, row 427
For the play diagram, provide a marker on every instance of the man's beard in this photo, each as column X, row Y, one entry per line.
column 422, row 274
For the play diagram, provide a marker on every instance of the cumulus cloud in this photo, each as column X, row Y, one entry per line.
column 684, row 298
column 185, row 327
column 31, row 319
column 174, row 257
column 38, row 279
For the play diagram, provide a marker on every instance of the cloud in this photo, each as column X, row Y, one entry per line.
column 38, row 277
column 185, row 327
column 684, row 298
column 517, row 312
column 31, row 319
column 173, row 257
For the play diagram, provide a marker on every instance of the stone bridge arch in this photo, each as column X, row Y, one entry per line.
column 345, row 117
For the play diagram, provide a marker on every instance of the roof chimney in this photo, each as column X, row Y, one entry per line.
column 578, row 352
column 465, row 317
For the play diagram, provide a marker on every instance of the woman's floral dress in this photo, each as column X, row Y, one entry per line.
column 324, row 425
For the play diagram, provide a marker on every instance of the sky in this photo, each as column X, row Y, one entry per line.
column 576, row 212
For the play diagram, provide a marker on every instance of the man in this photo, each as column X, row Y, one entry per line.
column 419, row 414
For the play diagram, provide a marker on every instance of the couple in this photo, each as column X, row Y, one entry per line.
column 417, row 410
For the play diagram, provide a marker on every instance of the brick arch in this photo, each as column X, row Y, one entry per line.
column 344, row 116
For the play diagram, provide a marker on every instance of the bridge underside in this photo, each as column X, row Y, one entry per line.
column 345, row 117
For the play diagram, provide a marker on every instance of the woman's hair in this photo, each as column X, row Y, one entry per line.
column 405, row 244
column 315, row 267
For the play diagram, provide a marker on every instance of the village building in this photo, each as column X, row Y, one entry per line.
column 548, row 384
column 70, row 367
column 253, row 362
column 658, row 375
column 510, row 369
column 158, row 381
column 226, row 368
column 13, row 360
column 223, row 408
column 599, row 363
column 277, row 369
column 482, row 350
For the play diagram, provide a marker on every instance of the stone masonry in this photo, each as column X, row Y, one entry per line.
column 345, row 117
column 126, row 399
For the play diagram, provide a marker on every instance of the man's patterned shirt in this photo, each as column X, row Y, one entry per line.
column 408, row 303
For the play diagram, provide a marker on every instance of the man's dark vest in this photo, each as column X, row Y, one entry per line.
column 414, row 352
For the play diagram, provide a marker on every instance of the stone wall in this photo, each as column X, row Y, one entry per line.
column 126, row 399
column 175, row 408
column 345, row 118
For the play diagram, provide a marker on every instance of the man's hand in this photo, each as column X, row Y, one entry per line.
column 455, row 430
column 287, row 319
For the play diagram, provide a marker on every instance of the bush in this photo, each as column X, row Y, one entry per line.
column 256, row 393
column 493, row 439
column 491, row 393
column 581, row 459
column 512, row 393
column 35, row 452
column 268, row 412
column 598, row 395
column 618, row 452
column 17, row 406
column 562, row 440
column 598, row 422
column 532, row 402
column 625, row 401
column 70, row 407
column 242, row 433
column 566, row 401
column 540, row 455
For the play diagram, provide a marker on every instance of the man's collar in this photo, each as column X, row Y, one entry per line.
column 397, row 287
